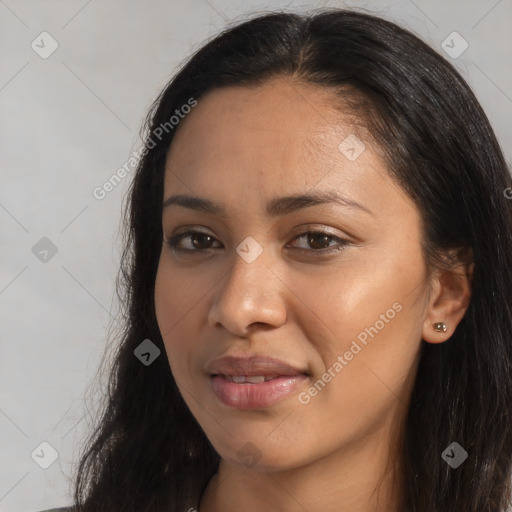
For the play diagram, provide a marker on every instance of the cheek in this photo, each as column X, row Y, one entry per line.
column 365, row 324
column 165, row 301
column 375, row 294
column 177, row 306
column 178, row 294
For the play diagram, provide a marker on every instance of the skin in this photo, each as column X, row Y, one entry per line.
column 242, row 147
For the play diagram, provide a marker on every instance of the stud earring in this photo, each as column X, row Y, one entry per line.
column 440, row 327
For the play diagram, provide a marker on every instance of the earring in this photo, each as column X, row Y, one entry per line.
column 440, row 327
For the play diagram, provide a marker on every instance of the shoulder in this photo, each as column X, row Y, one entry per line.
column 62, row 509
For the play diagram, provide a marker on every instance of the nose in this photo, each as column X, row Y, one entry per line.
column 251, row 293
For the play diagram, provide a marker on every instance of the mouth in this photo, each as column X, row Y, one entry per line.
column 255, row 382
column 249, row 379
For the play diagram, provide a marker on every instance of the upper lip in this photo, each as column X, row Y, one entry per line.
column 251, row 366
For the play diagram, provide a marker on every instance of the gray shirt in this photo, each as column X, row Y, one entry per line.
column 62, row 509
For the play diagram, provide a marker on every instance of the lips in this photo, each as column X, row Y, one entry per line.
column 253, row 382
column 253, row 366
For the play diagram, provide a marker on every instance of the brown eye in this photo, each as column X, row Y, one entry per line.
column 198, row 241
column 319, row 241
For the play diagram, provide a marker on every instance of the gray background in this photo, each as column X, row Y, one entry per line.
column 68, row 122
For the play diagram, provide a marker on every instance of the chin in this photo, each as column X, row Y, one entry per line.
column 260, row 454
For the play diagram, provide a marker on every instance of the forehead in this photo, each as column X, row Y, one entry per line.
column 282, row 118
column 268, row 140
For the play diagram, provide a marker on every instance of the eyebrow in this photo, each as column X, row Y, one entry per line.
column 277, row 206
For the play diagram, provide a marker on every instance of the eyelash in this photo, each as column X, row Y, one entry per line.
column 173, row 241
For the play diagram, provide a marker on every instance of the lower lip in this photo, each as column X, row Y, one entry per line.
column 255, row 396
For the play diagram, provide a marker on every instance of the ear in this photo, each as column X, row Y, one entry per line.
column 449, row 296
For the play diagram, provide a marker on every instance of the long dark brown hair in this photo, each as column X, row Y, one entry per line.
column 146, row 451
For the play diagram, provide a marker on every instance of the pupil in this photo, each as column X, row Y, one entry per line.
column 198, row 236
column 318, row 236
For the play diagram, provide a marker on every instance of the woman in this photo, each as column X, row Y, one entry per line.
column 317, row 276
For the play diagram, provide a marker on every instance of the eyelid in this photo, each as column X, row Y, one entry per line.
column 306, row 228
column 300, row 230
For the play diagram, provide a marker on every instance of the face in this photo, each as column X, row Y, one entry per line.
column 333, row 289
